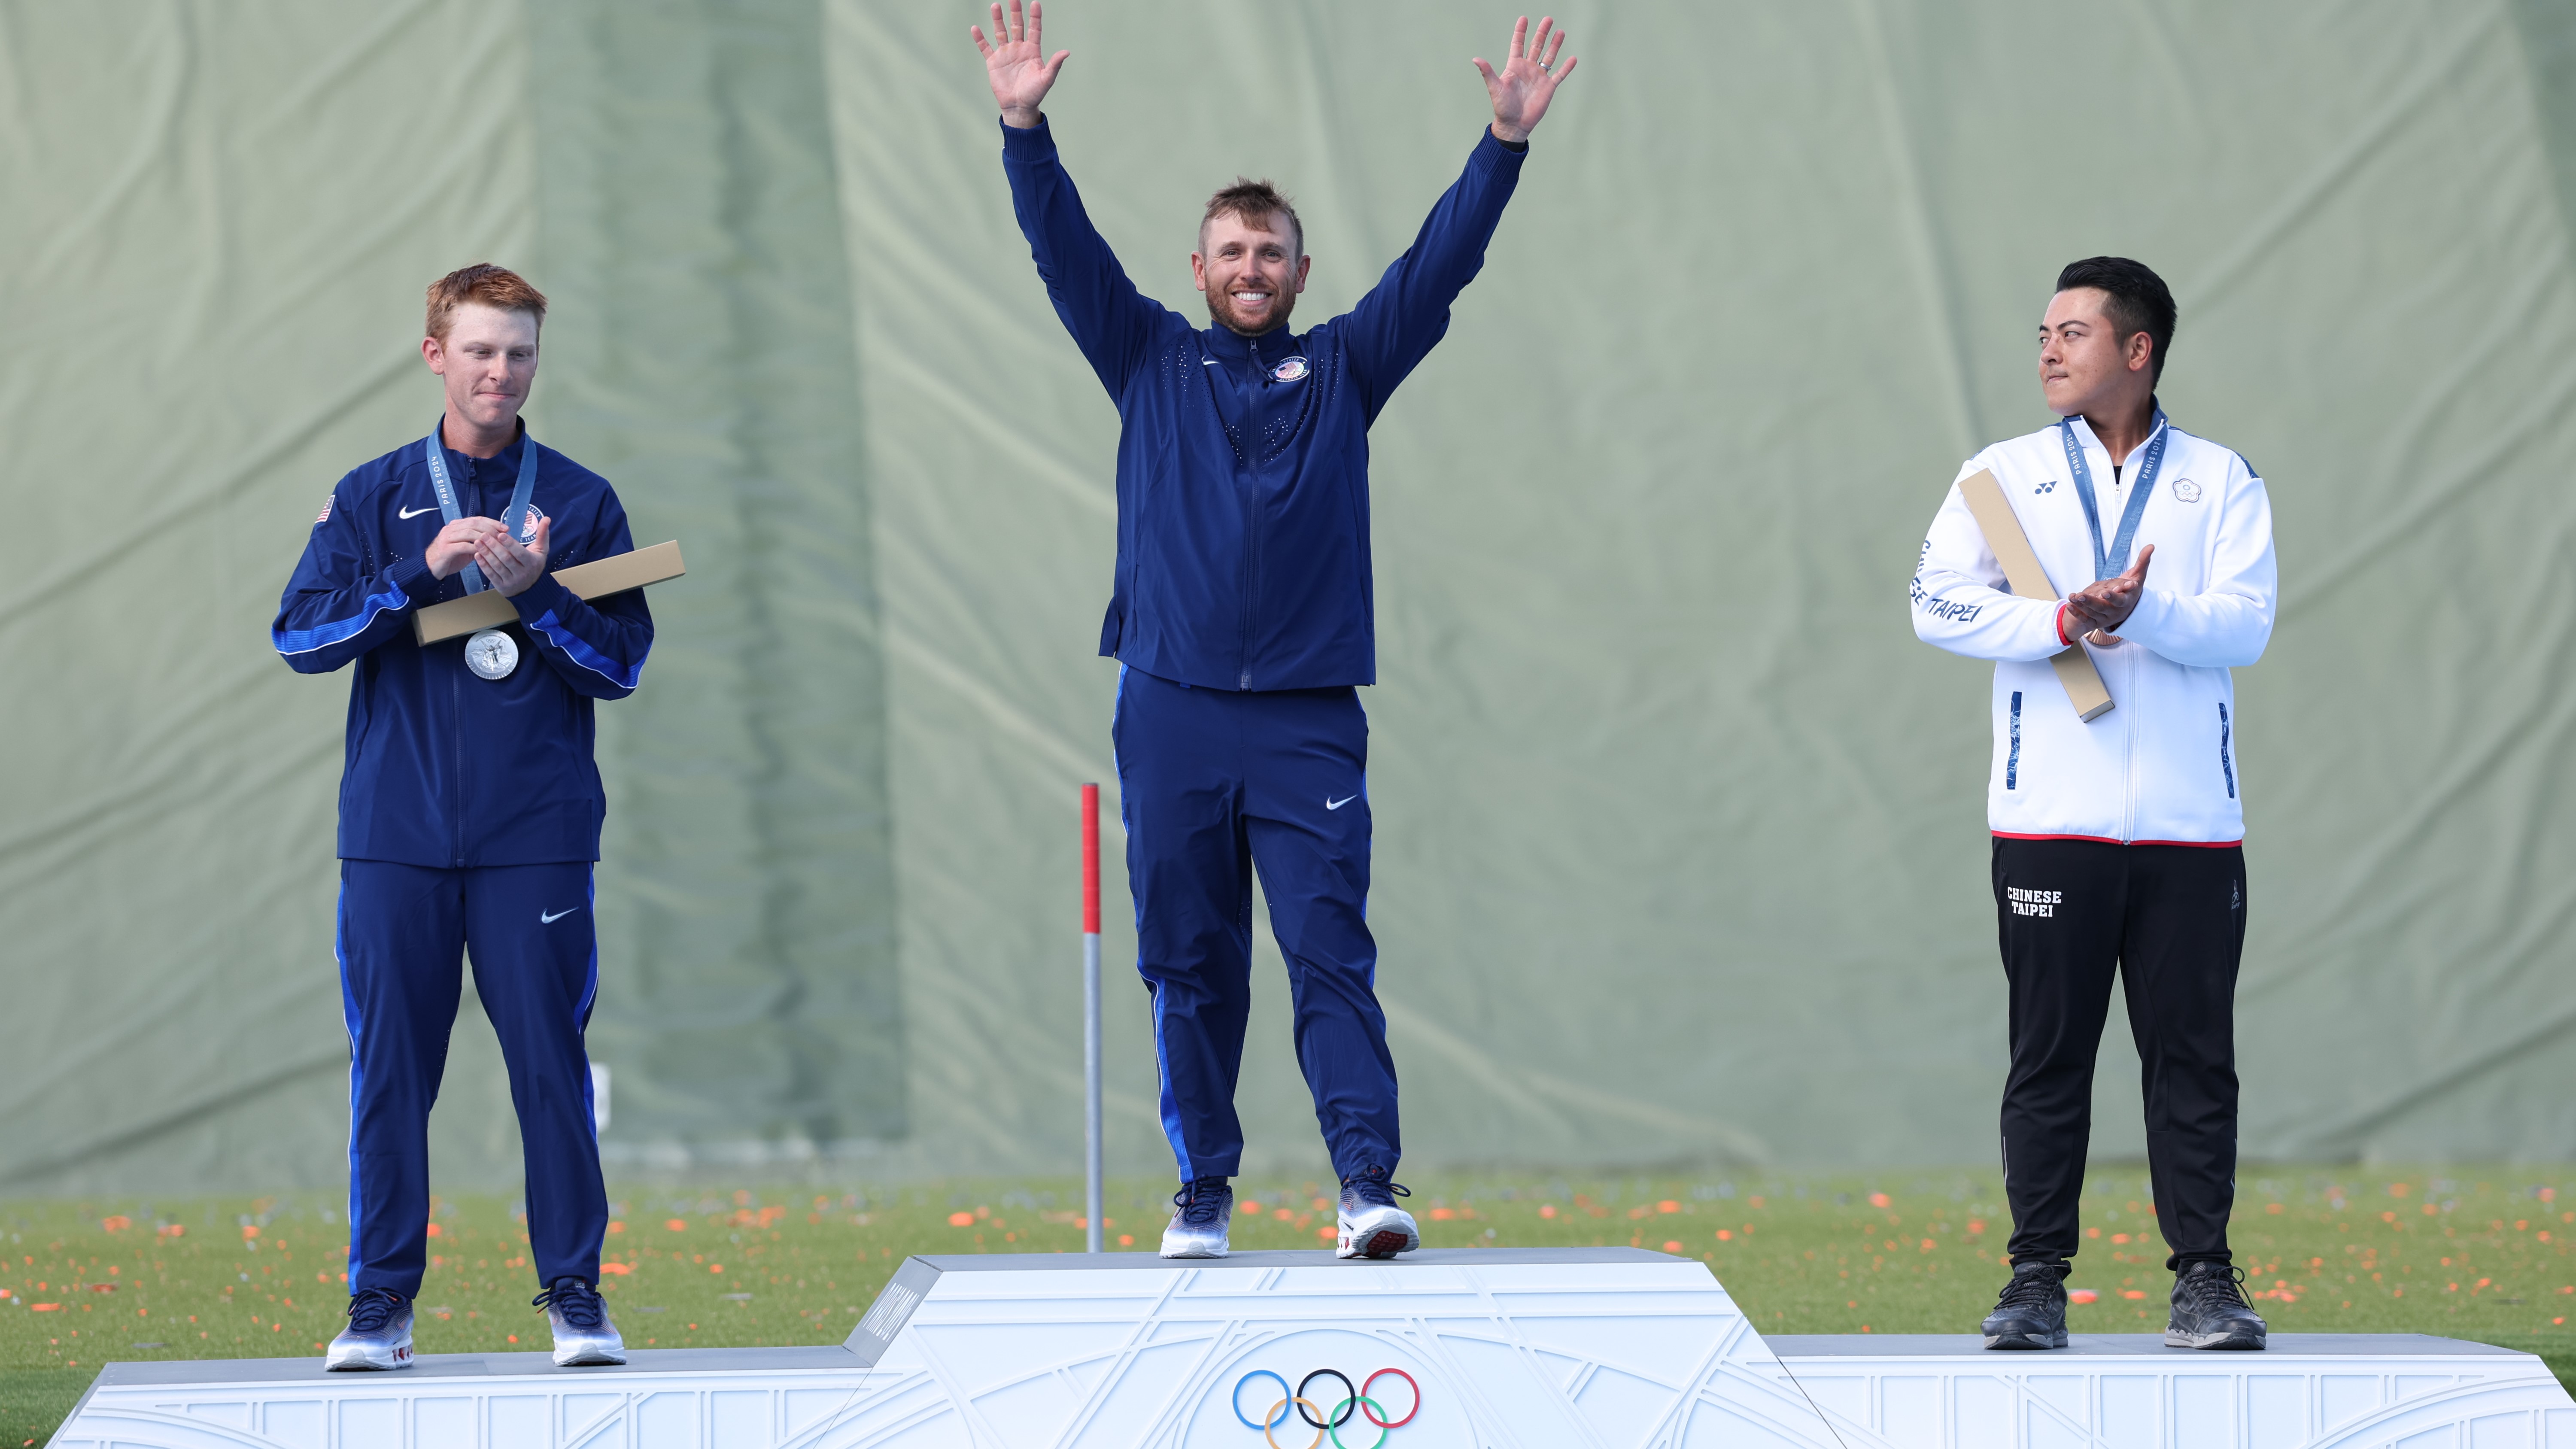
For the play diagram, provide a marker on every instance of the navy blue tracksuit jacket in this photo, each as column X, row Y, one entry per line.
column 1242, row 612
column 470, row 812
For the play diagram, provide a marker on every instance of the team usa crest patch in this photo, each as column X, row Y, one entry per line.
column 1291, row 370
column 528, row 523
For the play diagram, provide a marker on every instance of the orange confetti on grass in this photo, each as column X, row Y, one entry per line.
column 961, row 1220
column 620, row 1269
column 1672, row 1247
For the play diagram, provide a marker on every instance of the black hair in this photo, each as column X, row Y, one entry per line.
column 2139, row 299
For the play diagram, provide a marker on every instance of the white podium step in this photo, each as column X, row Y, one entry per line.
column 1593, row 1347
column 2129, row 1391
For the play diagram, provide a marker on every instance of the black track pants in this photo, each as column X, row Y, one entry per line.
column 2171, row 920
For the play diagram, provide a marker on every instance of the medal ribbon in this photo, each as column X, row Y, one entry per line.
column 2115, row 561
column 517, row 512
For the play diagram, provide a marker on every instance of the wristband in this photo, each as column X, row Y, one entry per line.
column 2061, row 626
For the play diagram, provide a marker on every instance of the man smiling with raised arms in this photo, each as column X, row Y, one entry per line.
column 1240, row 615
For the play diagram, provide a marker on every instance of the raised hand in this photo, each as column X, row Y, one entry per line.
column 2104, row 606
column 1017, row 65
column 1528, row 81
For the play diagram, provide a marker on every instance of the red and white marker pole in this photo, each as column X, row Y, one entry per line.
column 1091, row 1016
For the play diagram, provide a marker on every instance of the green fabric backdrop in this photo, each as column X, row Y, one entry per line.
column 1681, row 853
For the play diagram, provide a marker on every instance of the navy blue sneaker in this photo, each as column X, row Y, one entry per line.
column 1201, row 1212
column 583, row 1334
column 1372, row 1226
column 2031, row 1311
column 378, row 1336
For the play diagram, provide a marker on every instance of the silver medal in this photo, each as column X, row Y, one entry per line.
column 492, row 654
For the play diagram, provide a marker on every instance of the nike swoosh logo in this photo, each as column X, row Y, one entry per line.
column 543, row 919
column 1209, row 362
column 412, row 512
column 1338, row 804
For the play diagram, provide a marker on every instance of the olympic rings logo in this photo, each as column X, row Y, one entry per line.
column 1326, row 1425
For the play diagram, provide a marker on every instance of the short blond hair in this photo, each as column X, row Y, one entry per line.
column 1255, row 202
column 485, row 283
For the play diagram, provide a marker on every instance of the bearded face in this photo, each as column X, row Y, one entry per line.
column 1251, row 269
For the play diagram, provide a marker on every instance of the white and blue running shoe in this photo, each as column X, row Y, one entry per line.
column 378, row 1335
column 1201, row 1212
column 1372, row 1226
column 583, row 1334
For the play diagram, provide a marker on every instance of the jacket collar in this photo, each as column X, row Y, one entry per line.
column 507, row 460
column 1232, row 346
column 2084, row 431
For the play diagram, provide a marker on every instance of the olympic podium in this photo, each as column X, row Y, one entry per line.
column 1475, row 1349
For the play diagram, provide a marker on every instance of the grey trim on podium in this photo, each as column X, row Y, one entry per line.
column 1791, row 1347
column 911, row 1283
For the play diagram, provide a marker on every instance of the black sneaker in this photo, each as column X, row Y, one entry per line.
column 2031, row 1311
column 2210, row 1311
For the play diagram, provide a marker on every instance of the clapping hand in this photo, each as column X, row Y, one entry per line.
column 1016, row 63
column 506, row 566
column 2104, row 606
column 1528, row 81
column 454, row 546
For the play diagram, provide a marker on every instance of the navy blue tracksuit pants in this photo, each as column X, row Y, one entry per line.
column 403, row 932
column 1212, row 785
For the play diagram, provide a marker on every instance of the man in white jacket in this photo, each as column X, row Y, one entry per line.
column 2117, row 844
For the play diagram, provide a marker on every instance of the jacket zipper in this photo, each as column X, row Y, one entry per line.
column 1251, row 495
column 2128, row 752
column 456, row 752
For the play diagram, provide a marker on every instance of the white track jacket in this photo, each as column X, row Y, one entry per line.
column 2160, row 767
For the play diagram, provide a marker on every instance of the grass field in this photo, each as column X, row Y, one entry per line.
column 2465, row 1254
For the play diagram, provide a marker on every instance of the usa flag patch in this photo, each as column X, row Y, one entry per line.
column 325, row 515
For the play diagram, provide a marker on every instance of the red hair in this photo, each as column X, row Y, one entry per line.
column 482, row 282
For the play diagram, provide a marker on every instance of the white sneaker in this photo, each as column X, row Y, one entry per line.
column 1372, row 1226
column 378, row 1335
column 1201, row 1213
column 583, row 1332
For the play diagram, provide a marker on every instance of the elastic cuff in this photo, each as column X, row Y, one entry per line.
column 412, row 576
column 539, row 599
column 1035, row 141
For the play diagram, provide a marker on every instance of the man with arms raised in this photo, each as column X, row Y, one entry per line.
column 1240, row 616
column 469, row 805
column 2116, row 843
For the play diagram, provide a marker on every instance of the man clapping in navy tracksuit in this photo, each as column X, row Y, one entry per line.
column 469, row 805
column 1241, row 618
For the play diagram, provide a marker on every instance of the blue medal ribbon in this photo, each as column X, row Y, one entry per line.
column 517, row 512
column 2113, row 562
